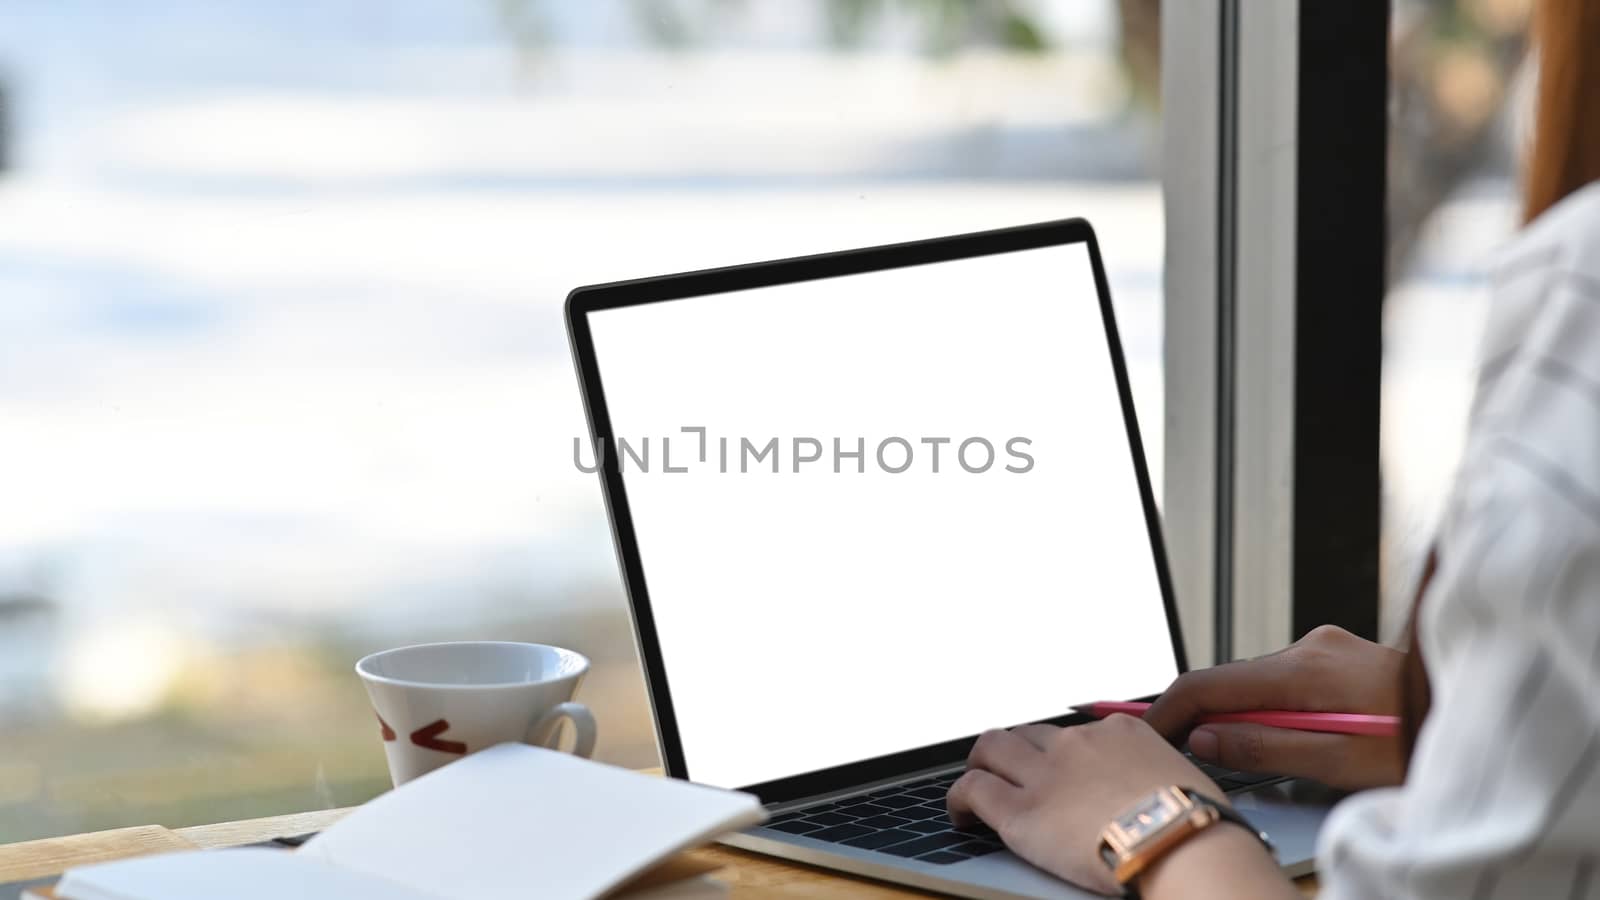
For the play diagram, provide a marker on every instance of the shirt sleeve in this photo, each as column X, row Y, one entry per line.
column 1502, row 798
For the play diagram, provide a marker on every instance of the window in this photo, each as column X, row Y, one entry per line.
column 1274, row 171
column 282, row 372
column 1457, row 77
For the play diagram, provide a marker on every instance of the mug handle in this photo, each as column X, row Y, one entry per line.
column 582, row 723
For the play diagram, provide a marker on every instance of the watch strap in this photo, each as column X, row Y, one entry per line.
column 1223, row 813
column 1226, row 813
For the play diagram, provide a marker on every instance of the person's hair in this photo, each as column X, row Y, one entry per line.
column 1564, row 156
column 1565, row 150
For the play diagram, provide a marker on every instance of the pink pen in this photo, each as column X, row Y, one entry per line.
column 1337, row 723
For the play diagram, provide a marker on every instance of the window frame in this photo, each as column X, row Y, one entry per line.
column 1274, row 282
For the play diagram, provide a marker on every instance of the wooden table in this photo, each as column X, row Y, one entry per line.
column 747, row 874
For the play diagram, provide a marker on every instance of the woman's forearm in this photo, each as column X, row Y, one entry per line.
column 1225, row 862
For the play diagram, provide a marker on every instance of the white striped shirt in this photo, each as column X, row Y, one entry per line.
column 1503, row 796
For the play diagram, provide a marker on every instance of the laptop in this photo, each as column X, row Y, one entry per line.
column 870, row 504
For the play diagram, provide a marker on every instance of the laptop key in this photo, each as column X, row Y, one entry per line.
column 1251, row 777
column 898, row 802
column 922, row 812
column 794, row 827
column 840, row 832
column 883, row 822
column 978, row 829
column 927, row 826
column 828, row 818
column 864, row 809
column 882, row 840
column 824, row 807
column 927, row 842
column 942, row 858
column 977, row 848
column 1235, row 783
column 928, row 793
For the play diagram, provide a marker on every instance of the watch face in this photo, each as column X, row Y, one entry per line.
column 1150, row 816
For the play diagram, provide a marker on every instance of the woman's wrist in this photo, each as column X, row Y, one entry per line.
column 1224, row 860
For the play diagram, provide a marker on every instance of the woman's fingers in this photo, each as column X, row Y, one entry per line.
column 980, row 794
column 1007, row 755
column 1343, row 761
column 1247, row 684
column 1037, row 735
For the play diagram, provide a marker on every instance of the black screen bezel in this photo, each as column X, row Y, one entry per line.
column 615, row 295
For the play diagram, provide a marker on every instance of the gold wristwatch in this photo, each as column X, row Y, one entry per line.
column 1149, row 829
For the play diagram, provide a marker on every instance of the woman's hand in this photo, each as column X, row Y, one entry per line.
column 1049, row 791
column 1328, row 670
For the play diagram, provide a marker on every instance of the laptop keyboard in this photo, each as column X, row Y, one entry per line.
column 1232, row 781
column 910, row 820
column 907, row 820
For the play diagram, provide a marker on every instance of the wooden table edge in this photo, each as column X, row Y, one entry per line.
column 747, row 874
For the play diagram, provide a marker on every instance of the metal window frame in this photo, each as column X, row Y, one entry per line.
column 1274, row 285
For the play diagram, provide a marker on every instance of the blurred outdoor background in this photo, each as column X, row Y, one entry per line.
column 1460, row 107
column 283, row 378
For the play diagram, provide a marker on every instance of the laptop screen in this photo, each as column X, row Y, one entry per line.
column 884, row 510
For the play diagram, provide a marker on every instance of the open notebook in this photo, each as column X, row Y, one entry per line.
column 510, row 822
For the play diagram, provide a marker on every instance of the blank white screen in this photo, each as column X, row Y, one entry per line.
column 812, row 619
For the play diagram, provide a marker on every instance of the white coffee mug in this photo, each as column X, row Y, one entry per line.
column 438, row 702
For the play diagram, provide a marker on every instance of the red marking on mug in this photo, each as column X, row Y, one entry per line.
column 388, row 733
column 427, row 737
